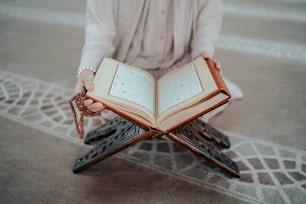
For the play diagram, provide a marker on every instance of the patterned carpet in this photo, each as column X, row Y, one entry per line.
column 268, row 171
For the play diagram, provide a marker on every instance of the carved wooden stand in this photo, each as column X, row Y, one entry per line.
column 197, row 136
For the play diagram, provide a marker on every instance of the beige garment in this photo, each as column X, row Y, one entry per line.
column 150, row 33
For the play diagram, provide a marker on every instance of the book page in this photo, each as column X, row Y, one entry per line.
column 178, row 87
column 135, row 86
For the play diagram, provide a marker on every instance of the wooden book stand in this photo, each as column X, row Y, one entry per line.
column 196, row 136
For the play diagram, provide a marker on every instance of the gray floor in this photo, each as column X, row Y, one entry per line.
column 262, row 48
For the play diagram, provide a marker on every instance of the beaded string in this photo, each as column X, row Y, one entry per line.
column 84, row 111
column 85, row 68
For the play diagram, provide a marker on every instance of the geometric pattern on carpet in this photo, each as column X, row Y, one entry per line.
column 270, row 173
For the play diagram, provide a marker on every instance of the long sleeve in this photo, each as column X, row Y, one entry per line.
column 99, row 32
column 207, row 28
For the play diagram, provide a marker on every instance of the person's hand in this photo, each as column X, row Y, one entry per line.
column 85, row 82
column 205, row 55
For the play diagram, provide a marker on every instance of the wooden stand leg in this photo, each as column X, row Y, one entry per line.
column 193, row 137
column 209, row 132
column 118, row 135
column 103, row 132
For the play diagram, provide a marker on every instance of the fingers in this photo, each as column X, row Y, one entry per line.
column 85, row 82
column 87, row 77
column 88, row 102
column 205, row 55
column 95, row 106
column 217, row 63
column 89, row 85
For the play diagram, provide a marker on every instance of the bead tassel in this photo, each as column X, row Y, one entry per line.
column 78, row 100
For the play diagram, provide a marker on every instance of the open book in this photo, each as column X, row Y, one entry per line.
column 174, row 99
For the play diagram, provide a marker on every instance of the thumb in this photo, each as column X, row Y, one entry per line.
column 205, row 55
column 87, row 79
column 89, row 85
column 218, row 65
